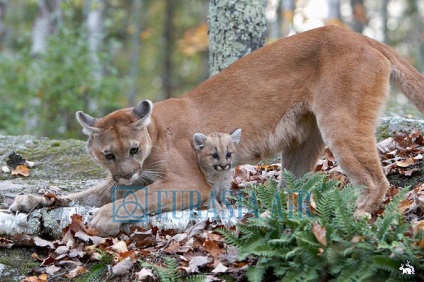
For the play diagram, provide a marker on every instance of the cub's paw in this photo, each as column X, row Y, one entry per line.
column 103, row 221
column 27, row 203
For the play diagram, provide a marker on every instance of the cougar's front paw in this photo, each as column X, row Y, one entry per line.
column 103, row 221
column 27, row 203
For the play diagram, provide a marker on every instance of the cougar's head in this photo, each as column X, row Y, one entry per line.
column 120, row 141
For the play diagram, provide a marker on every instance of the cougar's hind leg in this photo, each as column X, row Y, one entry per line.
column 302, row 154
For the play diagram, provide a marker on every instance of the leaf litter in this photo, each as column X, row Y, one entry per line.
column 200, row 249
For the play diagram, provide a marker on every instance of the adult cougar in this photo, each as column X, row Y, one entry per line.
column 327, row 85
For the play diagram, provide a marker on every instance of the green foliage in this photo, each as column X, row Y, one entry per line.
column 169, row 271
column 98, row 269
column 41, row 94
column 354, row 250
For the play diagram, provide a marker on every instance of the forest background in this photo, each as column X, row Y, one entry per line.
column 60, row 56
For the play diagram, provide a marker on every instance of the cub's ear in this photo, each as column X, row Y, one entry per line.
column 199, row 141
column 87, row 123
column 143, row 110
column 236, row 136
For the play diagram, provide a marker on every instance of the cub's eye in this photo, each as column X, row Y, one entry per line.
column 109, row 156
column 215, row 156
column 134, row 150
column 228, row 155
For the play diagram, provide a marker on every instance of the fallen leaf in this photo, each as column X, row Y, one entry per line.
column 21, row 170
column 88, row 238
column 119, row 247
column 196, row 262
column 52, row 269
column 212, row 248
column 123, row 267
column 319, row 233
column 145, row 274
column 220, row 268
column 43, row 243
column 79, row 270
column 6, row 243
column 356, row 239
column 405, row 163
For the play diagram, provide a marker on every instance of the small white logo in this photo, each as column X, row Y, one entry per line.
column 407, row 269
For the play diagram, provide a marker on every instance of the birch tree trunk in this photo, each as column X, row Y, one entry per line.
column 168, row 48
column 135, row 53
column 48, row 17
column 236, row 28
column 95, row 36
column 334, row 10
column 3, row 7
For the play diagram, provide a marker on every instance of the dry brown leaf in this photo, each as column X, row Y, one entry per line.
column 119, row 247
column 21, row 170
column 356, row 239
column 404, row 205
column 405, row 163
column 319, row 233
column 212, row 248
column 79, row 270
column 6, row 243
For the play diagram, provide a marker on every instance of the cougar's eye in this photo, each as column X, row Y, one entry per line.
column 134, row 150
column 228, row 155
column 109, row 156
column 215, row 156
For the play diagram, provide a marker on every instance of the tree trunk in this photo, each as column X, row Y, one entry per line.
column 135, row 56
column 334, row 10
column 236, row 28
column 385, row 17
column 95, row 36
column 287, row 13
column 48, row 17
column 3, row 7
column 359, row 15
column 168, row 48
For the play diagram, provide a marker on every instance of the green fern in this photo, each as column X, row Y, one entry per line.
column 169, row 271
column 286, row 245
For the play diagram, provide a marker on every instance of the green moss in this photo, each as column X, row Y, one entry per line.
column 383, row 132
column 20, row 265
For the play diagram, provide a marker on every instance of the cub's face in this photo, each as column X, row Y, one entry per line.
column 120, row 141
column 215, row 152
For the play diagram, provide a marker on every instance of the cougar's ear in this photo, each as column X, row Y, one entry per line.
column 199, row 141
column 236, row 136
column 143, row 110
column 87, row 123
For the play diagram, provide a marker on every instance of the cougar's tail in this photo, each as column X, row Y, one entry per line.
column 406, row 77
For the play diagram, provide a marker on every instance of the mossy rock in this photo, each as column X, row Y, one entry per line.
column 63, row 164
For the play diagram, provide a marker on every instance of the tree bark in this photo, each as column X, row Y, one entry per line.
column 3, row 29
column 359, row 15
column 236, row 28
column 135, row 56
column 48, row 17
column 168, row 48
column 287, row 13
column 95, row 36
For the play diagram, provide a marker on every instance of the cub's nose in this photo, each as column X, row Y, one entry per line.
column 222, row 167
